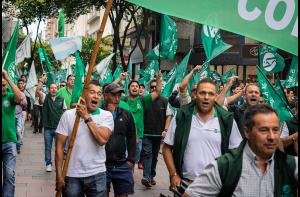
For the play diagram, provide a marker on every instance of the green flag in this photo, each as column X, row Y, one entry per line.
column 279, row 88
column 106, row 77
column 169, row 85
column 181, row 69
column 9, row 54
column 79, row 73
column 272, row 97
column 153, row 54
column 227, row 75
column 41, row 55
column 50, row 74
column 270, row 60
column 292, row 75
column 168, row 38
column 118, row 71
column 271, row 22
column 151, row 69
column 61, row 23
column 212, row 42
column 201, row 74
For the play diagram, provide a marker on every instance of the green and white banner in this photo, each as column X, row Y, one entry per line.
column 269, row 60
column 273, row 22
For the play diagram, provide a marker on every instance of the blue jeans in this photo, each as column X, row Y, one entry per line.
column 20, row 128
column 92, row 186
column 49, row 137
column 9, row 152
column 138, row 150
column 151, row 146
column 121, row 177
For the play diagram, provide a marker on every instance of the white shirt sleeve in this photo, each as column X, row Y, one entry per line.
column 168, row 111
column 65, row 105
column 184, row 97
column 43, row 97
column 296, row 169
column 63, row 125
column 107, row 121
column 208, row 183
column 284, row 130
column 169, row 139
column 235, row 136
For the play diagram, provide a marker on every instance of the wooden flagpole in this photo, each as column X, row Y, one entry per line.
column 88, row 77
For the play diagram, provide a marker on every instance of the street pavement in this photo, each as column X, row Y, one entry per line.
column 32, row 180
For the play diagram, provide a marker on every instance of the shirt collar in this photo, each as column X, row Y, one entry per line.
column 252, row 156
column 96, row 112
column 195, row 112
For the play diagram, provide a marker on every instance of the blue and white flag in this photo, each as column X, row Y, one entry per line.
column 64, row 46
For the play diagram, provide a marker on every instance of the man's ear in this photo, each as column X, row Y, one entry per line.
column 246, row 132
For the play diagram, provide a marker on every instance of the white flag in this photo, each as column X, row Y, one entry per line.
column 32, row 81
column 101, row 67
column 24, row 50
column 64, row 46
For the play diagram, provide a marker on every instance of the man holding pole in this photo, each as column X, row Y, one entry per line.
column 87, row 172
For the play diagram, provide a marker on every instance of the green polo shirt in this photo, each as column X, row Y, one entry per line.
column 137, row 108
column 64, row 92
column 9, row 133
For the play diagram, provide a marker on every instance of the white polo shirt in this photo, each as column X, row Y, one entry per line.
column 204, row 144
column 87, row 157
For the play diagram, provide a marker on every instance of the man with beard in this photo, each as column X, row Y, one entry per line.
column 138, row 104
column 86, row 175
column 256, row 167
column 252, row 97
column 201, row 131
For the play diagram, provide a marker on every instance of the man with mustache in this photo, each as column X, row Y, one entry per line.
column 256, row 167
column 201, row 131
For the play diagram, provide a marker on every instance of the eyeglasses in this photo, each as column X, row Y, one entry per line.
column 194, row 89
column 152, row 87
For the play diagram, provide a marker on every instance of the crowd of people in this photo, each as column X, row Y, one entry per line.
column 212, row 144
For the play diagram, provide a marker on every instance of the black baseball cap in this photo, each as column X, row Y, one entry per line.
column 113, row 88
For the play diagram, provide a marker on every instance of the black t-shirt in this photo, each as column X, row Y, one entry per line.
column 155, row 117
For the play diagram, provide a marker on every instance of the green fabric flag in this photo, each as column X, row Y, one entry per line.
column 212, row 42
column 271, row 22
column 201, row 74
column 215, row 76
column 270, row 60
column 61, row 23
column 153, row 54
column 141, row 72
column 79, row 73
column 169, row 85
column 41, row 55
column 292, row 75
column 272, row 97
column 227, row 75
column 280, row 90
column 168, row 38
column 9, row 54
column 151, row 69
column 181, row 69
column 106, row 77
column 50, row 74
column 118, row 71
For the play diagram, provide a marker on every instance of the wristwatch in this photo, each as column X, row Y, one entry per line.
column 89, row 119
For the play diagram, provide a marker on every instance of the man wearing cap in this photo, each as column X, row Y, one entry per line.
column 119, row 166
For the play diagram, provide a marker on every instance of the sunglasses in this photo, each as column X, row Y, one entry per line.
column 152, row 87
column 62, row 85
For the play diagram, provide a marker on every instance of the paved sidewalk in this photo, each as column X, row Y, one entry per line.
column 32, row 180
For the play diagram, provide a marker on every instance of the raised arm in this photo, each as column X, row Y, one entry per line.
column 185, row 81
column 221, row 97
column 120, row 78
column 38, row 91
column 15, row 89
column 155, row 94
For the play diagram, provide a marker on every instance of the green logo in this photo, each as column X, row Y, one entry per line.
column 286, row 191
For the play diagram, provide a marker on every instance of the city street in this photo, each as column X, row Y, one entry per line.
column 32, row 180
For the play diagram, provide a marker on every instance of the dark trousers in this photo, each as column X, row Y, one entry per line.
column 37, row 118
column 150, row 150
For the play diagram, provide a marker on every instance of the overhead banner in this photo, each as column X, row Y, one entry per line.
column 274, row 22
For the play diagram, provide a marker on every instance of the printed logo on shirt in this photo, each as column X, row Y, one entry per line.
column 6, row 104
